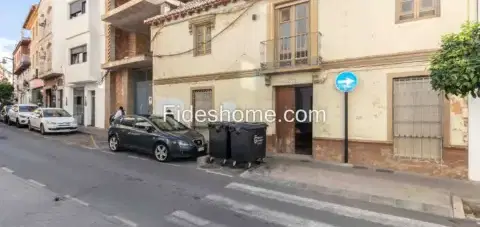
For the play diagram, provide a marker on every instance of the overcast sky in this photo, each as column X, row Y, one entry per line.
column 12, row 16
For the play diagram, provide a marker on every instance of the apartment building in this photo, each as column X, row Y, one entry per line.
column 396, row 121
column 21, row 69
column 83, row 89
column 48, row 55
column 128, row 57
column 35, row 85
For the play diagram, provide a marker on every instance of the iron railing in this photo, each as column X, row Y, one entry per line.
column 294, row 51
column 23, row 62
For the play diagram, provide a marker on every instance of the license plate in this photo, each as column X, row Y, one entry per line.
column 201, row 148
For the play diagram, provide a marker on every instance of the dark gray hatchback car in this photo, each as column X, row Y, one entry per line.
column 164, row 137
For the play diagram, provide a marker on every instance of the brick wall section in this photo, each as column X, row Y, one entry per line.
column 380, row 155
column 122, row 44
column 119, row 91
column 142, row 44
column 138, row 44
column 109, row 29
column 132, row 44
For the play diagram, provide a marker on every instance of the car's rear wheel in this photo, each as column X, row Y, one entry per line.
column 161, row 153
column 114, row 143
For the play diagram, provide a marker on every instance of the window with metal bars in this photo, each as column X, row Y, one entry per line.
column 203, row 39
column 417, row 119
column 202, row 102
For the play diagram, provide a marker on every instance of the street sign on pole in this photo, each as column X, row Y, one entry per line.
column 346, row 82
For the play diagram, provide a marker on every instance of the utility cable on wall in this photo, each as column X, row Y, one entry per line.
column 216, row 35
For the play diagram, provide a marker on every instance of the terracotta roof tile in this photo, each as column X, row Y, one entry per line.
column 187, row 7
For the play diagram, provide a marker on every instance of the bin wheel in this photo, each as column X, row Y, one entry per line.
column 210, row 159
column 234, row 163
column 224, row 161
column 249, row 165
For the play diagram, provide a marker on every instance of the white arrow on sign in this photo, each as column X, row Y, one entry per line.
column 346, row 82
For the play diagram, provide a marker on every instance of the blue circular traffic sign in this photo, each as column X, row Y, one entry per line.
column 346, row 81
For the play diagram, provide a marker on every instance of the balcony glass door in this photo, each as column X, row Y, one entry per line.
column 292, row 35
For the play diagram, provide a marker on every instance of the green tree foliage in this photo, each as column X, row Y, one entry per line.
column 6, row 92
column 455, row 68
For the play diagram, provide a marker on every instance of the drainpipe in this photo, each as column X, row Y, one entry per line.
column 473, row 123
column 477, row 9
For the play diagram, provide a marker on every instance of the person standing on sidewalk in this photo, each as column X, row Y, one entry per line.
column 120, row 112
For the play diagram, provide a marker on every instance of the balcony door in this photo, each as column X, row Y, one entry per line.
column 292, row 34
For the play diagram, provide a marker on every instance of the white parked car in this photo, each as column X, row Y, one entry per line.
column 48, row 120
column 19, row 114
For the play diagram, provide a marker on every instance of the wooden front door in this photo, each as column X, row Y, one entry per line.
column 284, row 109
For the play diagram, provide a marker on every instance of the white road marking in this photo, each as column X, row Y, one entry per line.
column 106, row 152
column 186, row 219
column 218, row 173
column 178, row 221
column 379, row 218
column 170, row 164
column 77, row 200
column 7, row 170
column 126, row 221
column 264, row 214
column 87, row 147
column 136, row 157
column 36, row 183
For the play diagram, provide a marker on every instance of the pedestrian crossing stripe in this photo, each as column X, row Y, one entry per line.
column 264, row 214
column 183, row 218
column 352, row 212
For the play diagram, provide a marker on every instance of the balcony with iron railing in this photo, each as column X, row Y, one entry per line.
column 292, row 53
column 21, row 64
column 45, row 70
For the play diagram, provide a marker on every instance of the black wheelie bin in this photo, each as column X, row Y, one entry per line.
column 248, row 142
column 219, row 141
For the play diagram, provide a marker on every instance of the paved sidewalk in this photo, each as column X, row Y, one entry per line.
column 26, row 204
column 97, row 132
column 425, row 194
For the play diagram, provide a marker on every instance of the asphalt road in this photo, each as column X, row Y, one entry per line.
column 143, row 192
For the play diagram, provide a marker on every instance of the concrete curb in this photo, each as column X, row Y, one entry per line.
column 457, row 204
column 398, row 203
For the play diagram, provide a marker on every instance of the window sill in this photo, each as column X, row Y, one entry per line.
column 416, row 19
column 78, row 63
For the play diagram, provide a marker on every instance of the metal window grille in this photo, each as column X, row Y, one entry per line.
column 202, row 101
column 417, row 119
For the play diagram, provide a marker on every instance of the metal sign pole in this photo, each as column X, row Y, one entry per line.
column 346, row 82
column 345, row 143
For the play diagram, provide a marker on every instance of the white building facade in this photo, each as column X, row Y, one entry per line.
column 83, row 37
